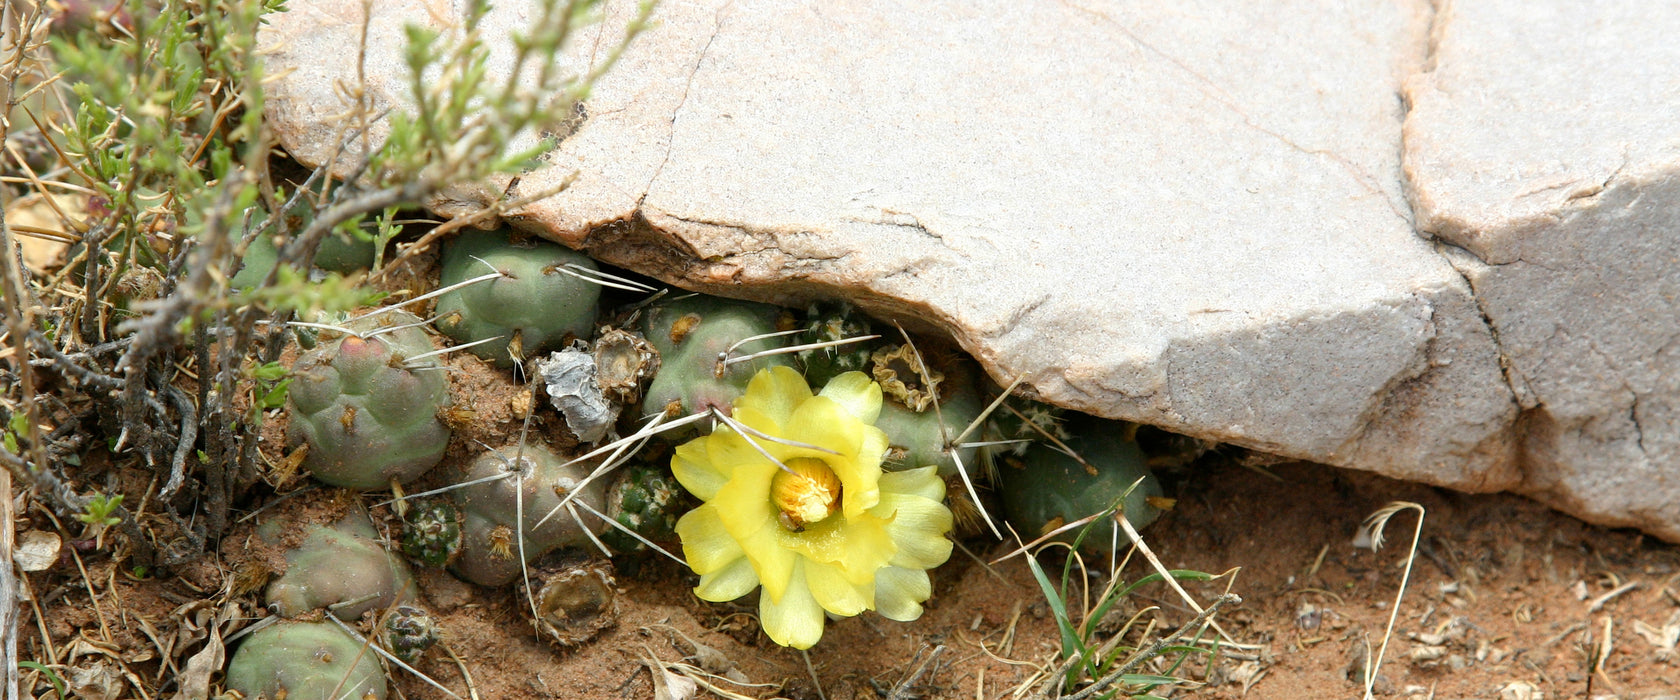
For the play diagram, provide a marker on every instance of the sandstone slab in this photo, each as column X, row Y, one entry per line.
column 1543, row 143
column 1193, row 217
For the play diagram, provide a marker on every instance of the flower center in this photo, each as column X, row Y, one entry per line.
column 807, row 495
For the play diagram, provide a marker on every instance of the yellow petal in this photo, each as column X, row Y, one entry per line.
column 760, row 421
column 857, row 546
column 732, row 581
column 899, row 593
column 834, row 593
column 825, row 423
column 743, row 506
column 775, row 392
column 794, row 619
column 859, row 394
column 707, row 544
column 693, row 467
column 917, row 528
column 728, row 450
column 922, row 481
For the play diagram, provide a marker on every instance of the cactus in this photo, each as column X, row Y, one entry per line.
column 1047, row 489
column 305, row 661
column 260, row 257
column 367, row 413
column 690, row 334
column 645, row 499
column 342, row 568
column 827, row 322
column 408, row 632
column 917, row 430
column 533, row 307
column 574, row 602
column 342, row 250
column 1024, row 419
column 431, row 532
column 489, row 548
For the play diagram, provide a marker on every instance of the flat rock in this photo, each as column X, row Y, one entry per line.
column 1193, row 217
column 1544, row 145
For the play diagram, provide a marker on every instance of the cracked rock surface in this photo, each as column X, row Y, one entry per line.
column 1195, row 216
column 1545, row 146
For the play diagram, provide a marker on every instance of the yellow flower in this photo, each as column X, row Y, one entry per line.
column 831, row 532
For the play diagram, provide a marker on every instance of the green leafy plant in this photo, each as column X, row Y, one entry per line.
column 101, row 510
column 52, row 676
column 272, row 379
column 156, row 112
column 1101, row 661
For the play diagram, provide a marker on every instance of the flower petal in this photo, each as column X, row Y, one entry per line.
column 732, row 581
column 695, row 470
column 856, row 546
column 859, row 394
column 795, row 619
column 775, row 392
column 899, row 593
column 707, row 544
column 922, row 481
column 729, row 450
column 834, row 593
column 825, row 423
column 743, row 506
column 918, row 528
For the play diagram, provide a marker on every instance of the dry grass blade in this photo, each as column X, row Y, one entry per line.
column 1371, row 535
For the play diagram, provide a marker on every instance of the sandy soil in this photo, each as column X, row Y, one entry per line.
column 1503, row 593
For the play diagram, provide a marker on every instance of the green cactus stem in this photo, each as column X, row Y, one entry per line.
column 647, row 500
column 916, row 440
column 342, row 568
column 1047, row 488
column 533, row 307
column 490, row 546
column 305, row 661
column 690, row 334
column 827, row 322
column 368, row 412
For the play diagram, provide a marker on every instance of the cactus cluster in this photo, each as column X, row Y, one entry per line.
column 305, row 661
column 342, row 568
column 644, row 499
column 368, row 412
column 533, row 482
column 1048, row 488
column 690, row 335
column 532, row 308
column 367, row 407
